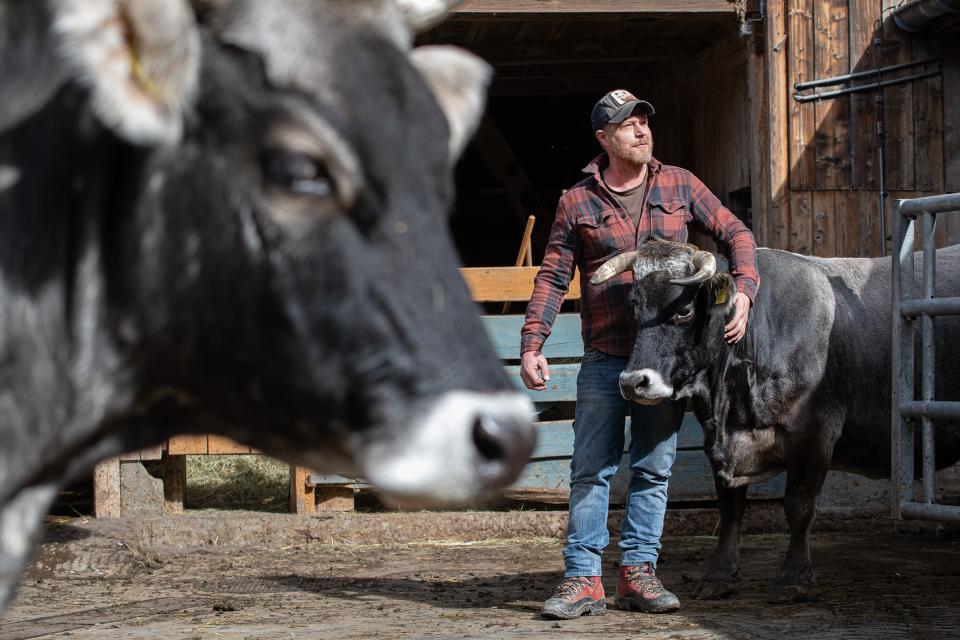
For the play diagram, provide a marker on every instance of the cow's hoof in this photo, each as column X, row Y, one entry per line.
column 789, row 594
column 715, row 590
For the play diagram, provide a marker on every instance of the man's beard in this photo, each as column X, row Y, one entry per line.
column 634, row 156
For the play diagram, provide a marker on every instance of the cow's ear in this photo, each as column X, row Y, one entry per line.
column 140, row 58
column 720, row 290
column 459, row 82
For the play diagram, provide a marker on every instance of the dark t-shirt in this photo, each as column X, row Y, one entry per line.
column 632, row 200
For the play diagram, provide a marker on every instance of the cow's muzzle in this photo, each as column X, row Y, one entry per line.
column 461, row 446
column 644, row 386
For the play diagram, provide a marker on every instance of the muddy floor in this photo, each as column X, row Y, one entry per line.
column 455, row 576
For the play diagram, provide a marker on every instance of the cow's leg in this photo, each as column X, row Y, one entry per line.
column 806, row 471
column 720, row 579
column 20, row 522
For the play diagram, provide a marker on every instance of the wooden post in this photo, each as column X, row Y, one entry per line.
column 302, row 499
column 526, row 253
column 106, row 489
column 174, row 482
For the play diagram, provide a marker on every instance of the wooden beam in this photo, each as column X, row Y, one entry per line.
column 584, row 51
column 219, row 445
column 174, row 483
column 187, row 445
column 507, row 284
column 302, row 498
column 106, row 489
column 722, row 7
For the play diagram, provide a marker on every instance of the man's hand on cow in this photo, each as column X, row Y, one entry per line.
column 737, row 327
column 534, row 370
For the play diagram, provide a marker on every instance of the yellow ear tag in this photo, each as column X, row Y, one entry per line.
column 722, row 296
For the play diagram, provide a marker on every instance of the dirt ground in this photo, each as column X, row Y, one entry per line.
column 464, row 575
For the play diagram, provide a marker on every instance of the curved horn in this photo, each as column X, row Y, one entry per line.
column 423, row 14
column 706, row 265
column 614, row 266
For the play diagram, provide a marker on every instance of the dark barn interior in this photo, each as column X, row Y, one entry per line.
column 550, row 68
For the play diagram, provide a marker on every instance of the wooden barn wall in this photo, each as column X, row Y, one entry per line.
column 817, row 177
column 720, row 119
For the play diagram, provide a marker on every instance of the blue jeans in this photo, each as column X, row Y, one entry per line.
column 597, row 449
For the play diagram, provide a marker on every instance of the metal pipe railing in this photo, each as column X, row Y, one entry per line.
column 906, row 309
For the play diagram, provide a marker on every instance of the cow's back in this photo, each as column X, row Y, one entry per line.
column 858, row 377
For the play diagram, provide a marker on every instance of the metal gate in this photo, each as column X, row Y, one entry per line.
column 908, row 307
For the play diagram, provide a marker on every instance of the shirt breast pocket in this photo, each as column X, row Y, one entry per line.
column 601, row 235
column 669, row 218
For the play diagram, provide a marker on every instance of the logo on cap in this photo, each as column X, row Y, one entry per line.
column 622, row 96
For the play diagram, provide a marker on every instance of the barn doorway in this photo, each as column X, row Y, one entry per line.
column 550, row 68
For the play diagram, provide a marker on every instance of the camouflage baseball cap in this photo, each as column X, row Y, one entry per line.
column 616, row 107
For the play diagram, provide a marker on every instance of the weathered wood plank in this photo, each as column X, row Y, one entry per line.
column 222, row 445
column 870, row 240
column 832, row 141
column 187, row 445
column 928, row 123
column 555, row 438
column 864, row 20
column 106, row 489
column 151, row 453
column 847, row 220
column 691, row 479
column 898, row 109
column 758, row 95
column 778, row 143
column 951, row 132
column 469, row 7
column 565, row 340
column 951, row 106
column 801, row 222
column 802, row 114
column 508, row 284
column 562, row 386
column 824, row 224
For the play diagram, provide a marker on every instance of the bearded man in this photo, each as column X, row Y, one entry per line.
column 628, row 198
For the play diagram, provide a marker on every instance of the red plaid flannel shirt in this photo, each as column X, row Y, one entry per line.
column 591, row 227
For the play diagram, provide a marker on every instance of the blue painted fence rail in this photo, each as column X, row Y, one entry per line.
column 548, row 472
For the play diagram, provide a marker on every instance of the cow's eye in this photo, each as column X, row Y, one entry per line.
column 297, row 173
column 684, row 316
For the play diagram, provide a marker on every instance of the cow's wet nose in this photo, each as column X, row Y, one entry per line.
column 634, row 384
column 503, row 445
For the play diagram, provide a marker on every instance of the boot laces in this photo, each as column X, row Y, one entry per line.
column 644, row 576
column 571, row 585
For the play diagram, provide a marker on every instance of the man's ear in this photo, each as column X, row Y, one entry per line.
column 140, row 58
column 458, row 80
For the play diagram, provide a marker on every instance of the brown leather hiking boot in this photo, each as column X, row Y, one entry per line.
column 639, row 589
column 575, row 597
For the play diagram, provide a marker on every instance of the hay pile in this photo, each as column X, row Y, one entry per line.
column 253, row 483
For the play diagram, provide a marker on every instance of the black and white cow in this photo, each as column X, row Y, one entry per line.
column 230, row 217
column 807, row 389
